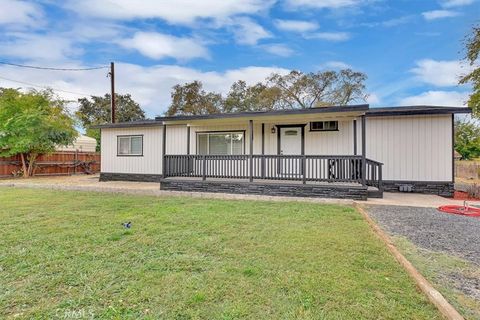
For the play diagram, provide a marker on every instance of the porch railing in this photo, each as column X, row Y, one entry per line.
column 275, row 167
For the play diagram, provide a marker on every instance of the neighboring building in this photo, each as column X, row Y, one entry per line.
column 341, row 151
column 81, row 144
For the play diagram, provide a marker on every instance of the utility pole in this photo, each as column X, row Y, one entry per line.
column 112, row 86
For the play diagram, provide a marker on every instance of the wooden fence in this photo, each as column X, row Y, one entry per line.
column 59, row 163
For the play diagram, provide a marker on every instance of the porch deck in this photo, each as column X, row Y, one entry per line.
column 350, row 177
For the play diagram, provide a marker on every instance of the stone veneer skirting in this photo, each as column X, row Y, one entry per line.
column 445, row 189
column 270, row 189
column 139, row 177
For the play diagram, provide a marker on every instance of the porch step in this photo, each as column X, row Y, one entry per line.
column 375, row 194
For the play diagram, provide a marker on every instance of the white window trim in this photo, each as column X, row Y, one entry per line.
column 130, row 145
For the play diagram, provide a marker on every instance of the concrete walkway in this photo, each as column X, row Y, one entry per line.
column 414, row 200
column 91, row 183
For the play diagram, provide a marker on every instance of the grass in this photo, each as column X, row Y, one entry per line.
column 66, row 255
column 444, row 271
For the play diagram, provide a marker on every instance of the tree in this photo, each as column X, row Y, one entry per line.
column 191, row 99
column 31, row 124
column 327, row 88
column 472, row 47
column 467, row 139
column 294, row 90
column 258, row 97
column 97, row 110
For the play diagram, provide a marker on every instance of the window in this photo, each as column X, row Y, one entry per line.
column 130, row 145
column 324, row 126
column 220, row 143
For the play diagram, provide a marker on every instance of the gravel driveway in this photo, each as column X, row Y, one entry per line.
column 430, row 229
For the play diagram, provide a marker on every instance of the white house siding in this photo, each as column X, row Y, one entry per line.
column 412, row 148
column 149, row 163
column 176, row 139
column 316, row 143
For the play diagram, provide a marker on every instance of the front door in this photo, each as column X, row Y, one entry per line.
column 290, row 144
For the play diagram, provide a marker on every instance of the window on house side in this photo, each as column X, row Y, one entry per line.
column 324, row 126
column 130, row 145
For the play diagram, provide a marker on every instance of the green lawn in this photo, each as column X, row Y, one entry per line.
column 65, row 254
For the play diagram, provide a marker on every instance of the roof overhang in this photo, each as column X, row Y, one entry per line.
column 142, row 123
column 415, row 110
column 289, row 116
column 277, row 115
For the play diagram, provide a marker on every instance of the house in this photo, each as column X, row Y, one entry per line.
column 340, row 151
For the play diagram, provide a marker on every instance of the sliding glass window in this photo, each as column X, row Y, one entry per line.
column 220, row 143
column 129, row 145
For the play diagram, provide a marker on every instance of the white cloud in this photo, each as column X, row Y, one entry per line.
column 439, row 73
column 329, row 36
column 296, row 25
column 248, row 32
column 456, row 3
column 150, row 86
column 373, row 99
column 15, row 12
column 322, row 4
column 175, row 12
column 439, row 14
column 335, row 65
column 158, row 46
column 437, row 98
column 278, row 49
column 390, row 22
column 44, row 47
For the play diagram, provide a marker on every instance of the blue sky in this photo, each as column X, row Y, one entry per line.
column 410, row 49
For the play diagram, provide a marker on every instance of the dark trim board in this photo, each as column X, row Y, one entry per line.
column 415, row 110
column 269, row 189
column 453, row 148
column 441, row 188
column 138, row 177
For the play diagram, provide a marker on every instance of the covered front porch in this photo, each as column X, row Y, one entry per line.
column 290, row 161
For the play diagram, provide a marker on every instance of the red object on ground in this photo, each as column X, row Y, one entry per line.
column 461, row 210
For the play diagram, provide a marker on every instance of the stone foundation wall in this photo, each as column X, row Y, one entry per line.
column 270, row 189
column 445, row 189
column 139, row 177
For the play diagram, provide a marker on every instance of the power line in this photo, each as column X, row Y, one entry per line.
column 47, row 87
column 54, row 69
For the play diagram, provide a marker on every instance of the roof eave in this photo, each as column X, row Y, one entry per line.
column 361, row 108
column 127, row 124
column 409, row 112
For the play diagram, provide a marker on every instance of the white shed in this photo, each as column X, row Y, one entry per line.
column 82, row 144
